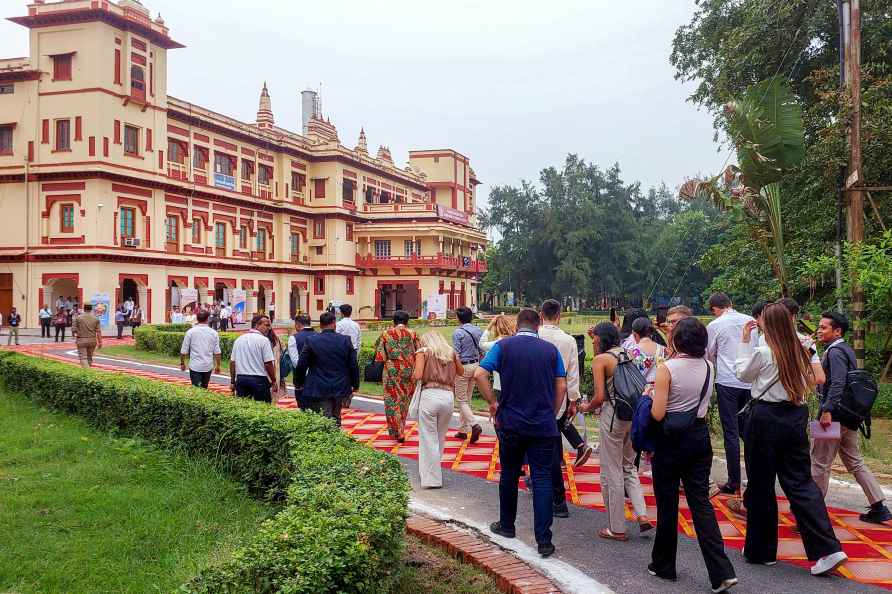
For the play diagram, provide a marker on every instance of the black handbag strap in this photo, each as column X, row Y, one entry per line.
column 706, row 383
column 474, row 340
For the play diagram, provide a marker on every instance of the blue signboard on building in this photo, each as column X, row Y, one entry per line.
column 227, row 182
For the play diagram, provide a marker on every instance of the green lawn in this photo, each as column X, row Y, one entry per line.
column 83, row 511
column 427, row 570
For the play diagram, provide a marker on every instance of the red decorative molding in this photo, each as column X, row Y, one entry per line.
column 30, row 151
column 224, row 208
column 45, row 132
column 137, row 59
column 124, row 189
column 299, row 285
column 265, row 157
column 160, row 159
column 226, row 145
column 201, row 137
column 226, row 282
column 139, row 279
column 226, row 219
column 177, row 130
column 142, row 205
column 78, row 128
column 54, row 276
column 200, row 281
column 189, row 249
column 51, row 200
column 266, row 284
column 63, row 187
column 105, row 146
column 117, row 131
column 68, row 240
column 349, row 174
column 138, row 44
column 298, row 165
column 200, row 204
column 149, row 139
column 118, row 64
column 181, row 281
column 248, row 152
column 247, row 284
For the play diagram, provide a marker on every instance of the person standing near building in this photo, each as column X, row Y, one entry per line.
column 202, row 345
column 45, row 316
column 87, row 332
column 777, row 444
column 60, row 322
column 136, row 318
column 225, row 314
column 396, row 349
column 733, row 394
column 327, row 370
column 534, row 387
column 14, row 320
column 466, row 342
column 252, row 368
column 347, row 327
column 303, row 330
column 128, row 307
column 838, row 360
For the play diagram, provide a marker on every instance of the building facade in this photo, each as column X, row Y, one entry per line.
column 111, row 188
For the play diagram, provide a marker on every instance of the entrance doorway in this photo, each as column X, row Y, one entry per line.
column 129, row 290
column 64, row 289
column 6, row 294
column 261, row 300
column 398, row 296
column 294, row 306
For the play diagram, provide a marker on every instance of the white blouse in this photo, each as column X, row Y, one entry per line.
column 756, row 366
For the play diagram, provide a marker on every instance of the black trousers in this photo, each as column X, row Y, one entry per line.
column 327, row 407
column 45, row 327
column 60, row 330
column 687, row 459
column 513, row 448
column 568, row 430
column 730, row 401
column 120, row 329
column 559, row 492
column 253, row 386
column 777, row 446
column 200, row 379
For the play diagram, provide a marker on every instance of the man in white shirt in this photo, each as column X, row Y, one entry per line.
column 202, row 345
column 348, row 327
column 252, row 364
column 225, row 314
column 724, row 337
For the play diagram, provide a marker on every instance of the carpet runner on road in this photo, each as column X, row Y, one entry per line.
column 868, row 546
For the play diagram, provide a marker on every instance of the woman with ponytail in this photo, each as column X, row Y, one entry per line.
column 777, row 445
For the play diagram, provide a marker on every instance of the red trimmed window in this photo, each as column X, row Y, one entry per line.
column 128, row 222
column 177, row 151
column 131, row 140
column 261, row 240
column 196, row 231
column 319, row 188
column 349, row 231
column 66, row 218
column 298, row 181
column 243, row 237
column 318, row 229
column 295, row 245
column 117, row 66
column 220, row 235
column 247, row 170
column 264, row 174
column 349, row 191
column 224, row 164
column 63, row 135
column 200, row 158
column 6, row 140
column 137, row 83
column 62, row 66
column 319, row 283
column 349, row 285
column 170, row 229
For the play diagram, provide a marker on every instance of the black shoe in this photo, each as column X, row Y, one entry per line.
column 662, row 576
column 496, row 528
column 728, row 489
column 461, row 436
column 546, row 550
column 876, row 514
column 560, row 510
column 476, row 432
column 765, row 563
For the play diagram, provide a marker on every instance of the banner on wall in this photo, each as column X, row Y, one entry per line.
column 101, row 306
column 239, row 299
column 434, row 307
column 189, row 301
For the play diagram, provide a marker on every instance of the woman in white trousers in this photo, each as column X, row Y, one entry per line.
column 436, row 365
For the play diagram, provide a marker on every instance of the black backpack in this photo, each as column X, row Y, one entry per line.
column 628, row 385
column 857, row 399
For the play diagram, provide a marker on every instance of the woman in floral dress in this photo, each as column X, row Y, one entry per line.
column 396, row 349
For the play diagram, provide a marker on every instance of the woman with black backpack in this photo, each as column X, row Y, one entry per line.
column 683, row 454
column 618, row 471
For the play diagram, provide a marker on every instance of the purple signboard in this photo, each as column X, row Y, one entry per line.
column 450, row 214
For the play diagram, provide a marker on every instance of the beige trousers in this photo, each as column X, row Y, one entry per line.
column 464, row 389
column 823, row 452
column 85, row 353
column 618, row 472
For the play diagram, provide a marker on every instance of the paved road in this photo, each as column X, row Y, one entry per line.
column 584, row 562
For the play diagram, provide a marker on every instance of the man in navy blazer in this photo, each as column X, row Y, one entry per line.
column 328, row 370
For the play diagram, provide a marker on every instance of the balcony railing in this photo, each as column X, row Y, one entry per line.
column 264, row 191
column 177, row 171
column 297, row 196
column 399, row 207
column 200, row 176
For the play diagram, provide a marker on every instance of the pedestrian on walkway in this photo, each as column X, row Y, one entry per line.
column 534, row 387
column 732, row 393
column 303, row 330
column 87, row 332
column 619, row 475
column 466, row 342
column 625, row 333
column 14, row 320
column 135, row 319
column 683, row 454
column 46, row 317
column 396, row 349
column 673, row 317
column 225, row 315
column 276, row 345
column 550, row 331
column 120, row 320
column 839, row 359
column 777, row 444
column 348, row 327
column 252, row 369
column 202, row 345
column 436, row 367
column 500, row 327
column 60, row 322
column 327, row 370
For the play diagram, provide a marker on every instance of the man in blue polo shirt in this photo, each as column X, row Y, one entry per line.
column 534, row 383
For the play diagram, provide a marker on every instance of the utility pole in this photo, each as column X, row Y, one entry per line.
column 855, row 180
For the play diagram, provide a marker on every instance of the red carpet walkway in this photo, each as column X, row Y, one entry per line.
column 868, row 546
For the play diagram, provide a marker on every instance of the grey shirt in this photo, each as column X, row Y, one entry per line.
column 466, row 341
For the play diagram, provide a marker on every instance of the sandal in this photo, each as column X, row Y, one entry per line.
column 644, row 524
column 606, row 533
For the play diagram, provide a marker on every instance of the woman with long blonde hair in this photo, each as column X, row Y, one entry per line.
column 500, row 327
column 777, row 445
column 436, row 366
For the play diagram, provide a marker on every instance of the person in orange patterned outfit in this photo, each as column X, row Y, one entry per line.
column 396, row 349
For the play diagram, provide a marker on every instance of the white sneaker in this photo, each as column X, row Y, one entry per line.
column 725, row 585
column 827, row 564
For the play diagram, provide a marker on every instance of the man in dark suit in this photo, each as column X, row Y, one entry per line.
column 327, row 369
column 303, row 330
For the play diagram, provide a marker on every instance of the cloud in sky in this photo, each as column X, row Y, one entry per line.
column 513, row 84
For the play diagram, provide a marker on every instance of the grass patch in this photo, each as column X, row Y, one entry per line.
column 428, row 570
column 84, row 511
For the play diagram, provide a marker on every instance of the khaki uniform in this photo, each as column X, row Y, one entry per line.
column 87, row 330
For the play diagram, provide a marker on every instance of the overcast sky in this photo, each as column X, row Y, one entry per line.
column 513, row 84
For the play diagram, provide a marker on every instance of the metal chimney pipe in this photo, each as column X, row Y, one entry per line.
column 308, row 101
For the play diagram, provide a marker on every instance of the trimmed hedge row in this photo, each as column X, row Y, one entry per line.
column 168, row 338
column 342, row 527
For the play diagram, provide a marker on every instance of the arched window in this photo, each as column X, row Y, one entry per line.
column 137, row 82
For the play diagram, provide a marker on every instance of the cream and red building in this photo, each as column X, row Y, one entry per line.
column 109, row 185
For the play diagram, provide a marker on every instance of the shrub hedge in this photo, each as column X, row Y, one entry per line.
column 342, row 526
column 167, row 339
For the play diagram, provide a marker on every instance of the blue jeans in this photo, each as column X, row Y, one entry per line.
column 539, row 452
column 253, row 386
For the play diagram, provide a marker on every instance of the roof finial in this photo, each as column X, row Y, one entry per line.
column 265, row 110
column 361, row 145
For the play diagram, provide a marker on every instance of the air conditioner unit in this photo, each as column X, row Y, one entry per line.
column 131, row 242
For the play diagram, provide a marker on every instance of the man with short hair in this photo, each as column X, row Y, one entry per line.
column 348, row 327
column 225, row 315
column 252, row 369
column 45, row 316
column 466, row 342
column 303, row 330
column 550, row 331
column 327, row 370
column 724, row 337
column 534, row 386
column 14, row 320
column 87, row 332
column 202, row 345
column 839, row 359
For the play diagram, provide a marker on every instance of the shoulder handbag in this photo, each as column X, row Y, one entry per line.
column 374, row 370
column 415, row 403
column 676, row 424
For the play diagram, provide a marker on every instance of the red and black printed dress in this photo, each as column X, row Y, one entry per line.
column 396, row 349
